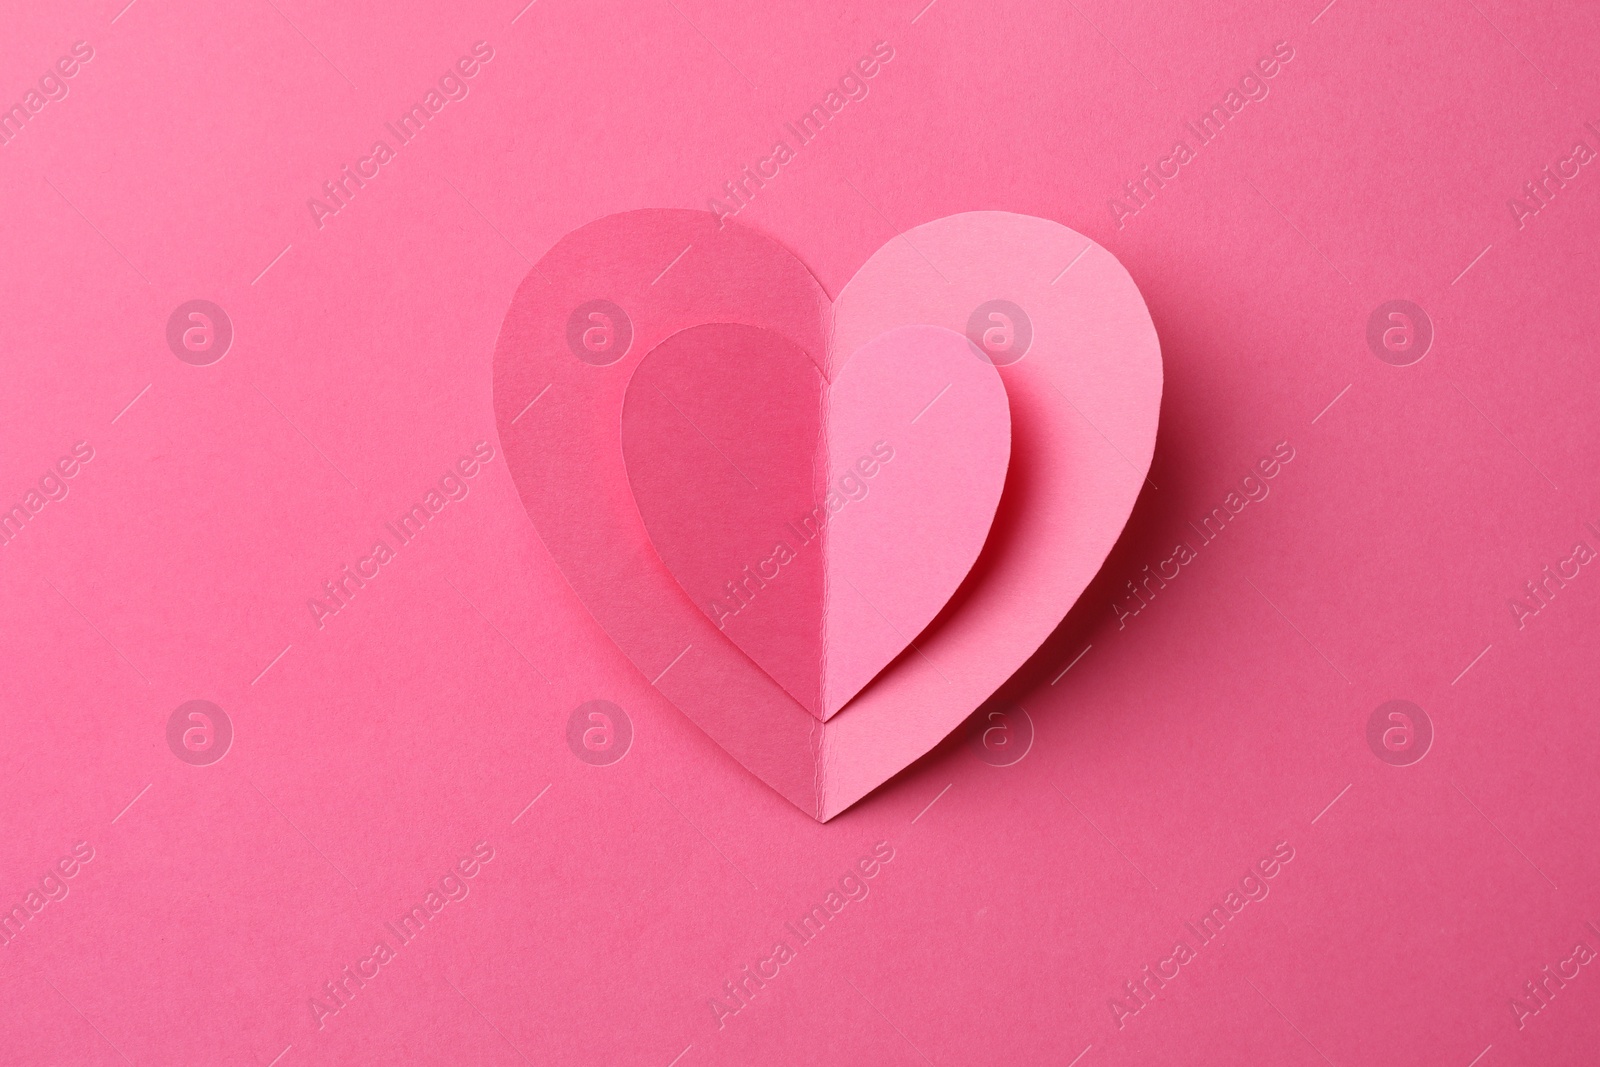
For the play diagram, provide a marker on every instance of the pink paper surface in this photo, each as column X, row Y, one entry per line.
column 1209, row 753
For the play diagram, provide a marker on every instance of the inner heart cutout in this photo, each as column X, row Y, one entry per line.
column 820, row 525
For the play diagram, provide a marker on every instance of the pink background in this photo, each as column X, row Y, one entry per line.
column 372, row 753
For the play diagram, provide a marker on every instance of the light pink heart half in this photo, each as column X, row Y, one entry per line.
column 820, row 525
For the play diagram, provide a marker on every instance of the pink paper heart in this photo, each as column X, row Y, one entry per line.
column 1081, row 366
column 820, row 525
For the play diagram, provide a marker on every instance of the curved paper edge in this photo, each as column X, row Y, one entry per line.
column 1085, row 405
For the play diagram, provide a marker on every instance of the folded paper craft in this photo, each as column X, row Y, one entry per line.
column 827, row 531
column 821, row 525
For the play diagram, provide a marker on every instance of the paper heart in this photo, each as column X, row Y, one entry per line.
column 820, row 525
column 1081, row 366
